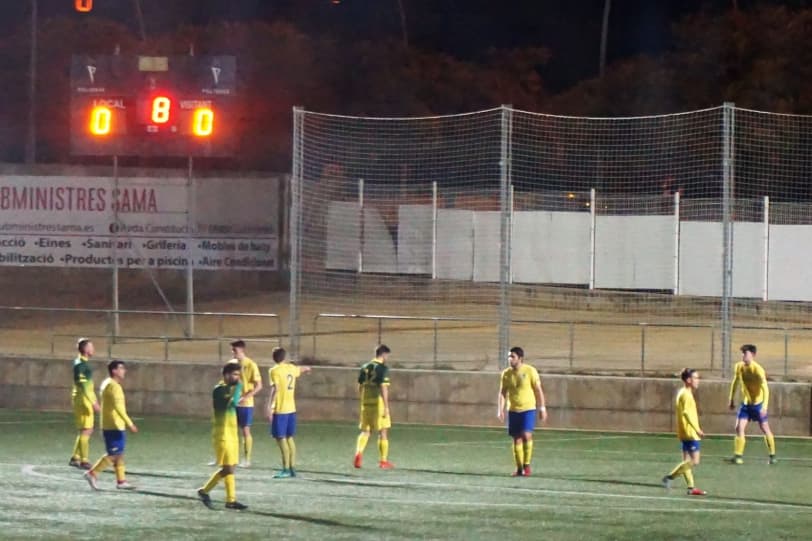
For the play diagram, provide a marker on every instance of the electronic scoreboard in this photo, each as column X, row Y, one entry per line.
column 124, row 105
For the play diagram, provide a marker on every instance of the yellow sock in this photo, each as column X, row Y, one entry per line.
column 528, row 452
column 363, row 438
column 292, row 453
column 84, row 447
column 212, row 482
column 248, row 446
column 383, row 449
column 283, row 446
column 121, row 474
column 77, row 448
column 231, row 488
column 689, row 476
column 681, row 467
column 101, row 465
column 770, row 441
column 738, row 445
column 518, row 454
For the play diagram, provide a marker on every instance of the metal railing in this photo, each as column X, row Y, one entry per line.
column 644, row 330
column 55, row 329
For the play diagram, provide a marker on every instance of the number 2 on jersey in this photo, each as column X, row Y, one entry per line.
column 290, row 382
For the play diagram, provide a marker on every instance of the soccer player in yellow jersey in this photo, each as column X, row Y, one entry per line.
column 755, row 397
column 85, row 403
column 688, row 431
column 251, row 384
column 281, row 409
column 225, row 397
column 373, row 390
column 520, row 392
column 114, row 421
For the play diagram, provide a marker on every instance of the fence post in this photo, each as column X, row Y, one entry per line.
column 765, row 269
column 434, row 230
column 504, row 233
column 296, row 229
column 642, row 348
column 572, row 344
column 380, row 331
column 435, row 342
column 786, row 353
column 592, row 220
column 728, row 126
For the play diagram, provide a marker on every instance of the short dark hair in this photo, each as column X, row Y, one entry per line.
column 381, row 350
column 278, row 354
column 749, row 347
column 112, row 365
column 687, row 373
column 518, row 351
column 238, row 344
column 230, row 367
column 81, row 343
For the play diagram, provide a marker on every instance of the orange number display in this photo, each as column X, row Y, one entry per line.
column 161, row 106
column 83, row 5
column 203, row 122
column 100, row 120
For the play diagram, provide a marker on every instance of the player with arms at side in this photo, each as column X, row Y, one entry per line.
column 114, row 421
column 251, row 384
column 688, row 431
column 755, row 397
column 281, row 409
column 519, row 392
column 373, row 390
column 225, row 397
column 85, row 403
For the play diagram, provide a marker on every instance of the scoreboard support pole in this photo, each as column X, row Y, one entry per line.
column 191, row 201
column 116, row 329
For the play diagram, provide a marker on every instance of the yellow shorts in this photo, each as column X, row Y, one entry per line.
column 227, row 453
column 372, row 419
column 84, row 416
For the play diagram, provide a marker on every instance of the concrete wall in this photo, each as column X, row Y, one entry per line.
column 458, row 398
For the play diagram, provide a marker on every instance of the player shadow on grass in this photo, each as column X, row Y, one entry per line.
column 601, row 481
column 448, row 472
column 159, row 475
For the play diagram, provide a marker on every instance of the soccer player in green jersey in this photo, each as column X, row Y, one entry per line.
column 281, row 409
column 688, row 431
column 373, row 390
column 114, row 421
column 85, row 404
column 225, row 397
column 751, row 377
column 520, row 392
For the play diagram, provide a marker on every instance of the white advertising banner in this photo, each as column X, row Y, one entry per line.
column 71, row 222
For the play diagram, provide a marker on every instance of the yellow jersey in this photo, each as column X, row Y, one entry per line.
column 373, row 376
column 520, row 387
column 249, row 376
column 283, row 379
column 753, row 381
column 224, row 403
column 82, row 391
column 687, row 416
column 113, row 407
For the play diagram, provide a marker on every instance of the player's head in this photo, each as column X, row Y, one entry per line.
column 85, row 347
column 231, row 373
column 748, row 353
column 382, row 352
column 691, row 378
column 238, row 349
column 117, row 369
column 515, row 356
column 278, row 354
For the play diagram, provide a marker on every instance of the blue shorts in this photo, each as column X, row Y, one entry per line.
column 520, row 422
column 283, row 425
column 690, row 446
column 114, row 441
column 245, row 416
column 752, row 412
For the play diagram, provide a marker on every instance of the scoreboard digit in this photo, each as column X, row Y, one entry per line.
column 153, row 106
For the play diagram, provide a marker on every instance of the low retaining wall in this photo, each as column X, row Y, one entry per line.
column 417, row 396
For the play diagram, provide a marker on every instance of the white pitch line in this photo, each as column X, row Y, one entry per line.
column 30, row 469
column 49, row 421
column 541, row 440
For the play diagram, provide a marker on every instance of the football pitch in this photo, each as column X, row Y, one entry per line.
column 449, row 483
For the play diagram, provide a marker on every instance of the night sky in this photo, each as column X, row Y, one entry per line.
column 463, row 28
